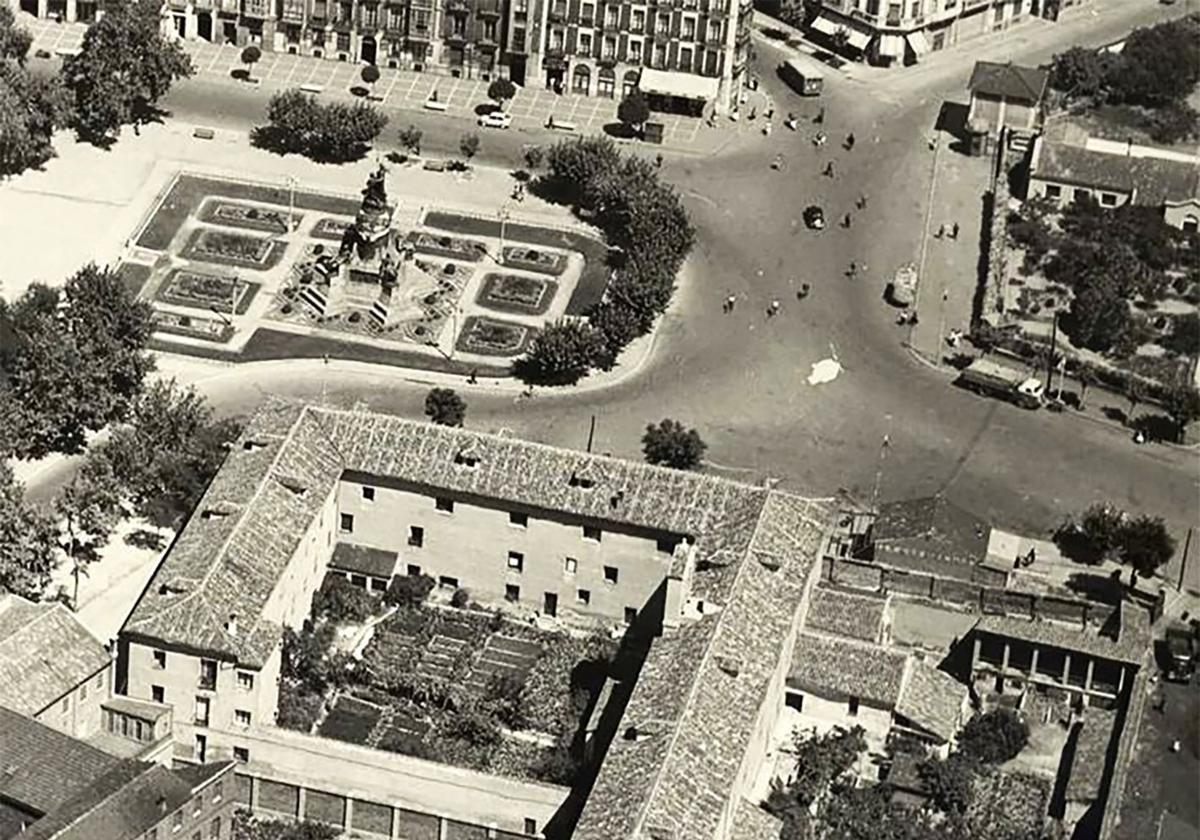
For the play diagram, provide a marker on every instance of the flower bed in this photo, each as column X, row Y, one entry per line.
column 236, row 214
column 184, row 287
column 531, row 259
column 453, row 247
column 227, row 248
column 329, row 227
column 350, row 720
column 490, row 337
column 547, row 697
column 516, row 293
column 209, row 329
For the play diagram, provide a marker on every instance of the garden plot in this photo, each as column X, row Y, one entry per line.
column 350, row 720
column 236, row 214
column 451, row 247
column 228, row 248
column 200, row 290
column 516, row 293
column 503, row 656
column 493, row 337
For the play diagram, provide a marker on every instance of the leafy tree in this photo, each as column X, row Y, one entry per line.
column 1145, row 544
column 468, row 144
column 820, row 761
column 634, row 111
column 950, row 781
column 672, row 445
column 561, row 354
column 1173, row 123
column 246, row 826
column 124, row 67
column 445, row 407
column 1159, row 64
column 461, row 598
column 1101, row 528
column 408, row 590
column 337, row 132
column 535, row 156
column 1098, row 318
column 577, row 163
column 994, row 737
column 501, row 90
column 32, row 107
column 1184, row 338
column 28, row 540
column 370, row 75
column 340, row 601
column 410, row 138
column 1182, row 402
column 15, row 41
column 250, row 56
column 1082, row 72
column 88, row 509
column 305, row 655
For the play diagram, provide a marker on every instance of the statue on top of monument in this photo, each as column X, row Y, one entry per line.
column 375, row 193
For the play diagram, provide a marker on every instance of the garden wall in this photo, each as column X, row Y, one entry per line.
column 994, row 244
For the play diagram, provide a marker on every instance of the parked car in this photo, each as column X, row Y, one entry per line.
column 496, row 119
column 1181, row 654
column 814, row 217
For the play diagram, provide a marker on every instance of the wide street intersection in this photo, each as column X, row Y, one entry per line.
column 741, row 378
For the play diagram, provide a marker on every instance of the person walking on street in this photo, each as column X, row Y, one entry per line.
column 658, row 159
column 829, row 170
column 941, row 231
column 861, row 204
column 954, row 231
column 770, row 112
column 773, row 309
column 853, row 270
column 820, row 118
column 803, row 292
column 730, row 303
column 846, row 221
column 753, row 113
column 849, row 141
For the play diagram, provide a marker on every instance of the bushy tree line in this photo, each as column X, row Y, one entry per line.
column 1156, row 70
column 1105, row 532
column 332, row 132
column 644, row 219
column 31, row 106
column 246, row 826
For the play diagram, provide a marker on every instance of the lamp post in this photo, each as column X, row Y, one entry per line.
column 503, row 216
column 292, row 182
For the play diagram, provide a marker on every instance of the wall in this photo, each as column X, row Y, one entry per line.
column 216, row 800
column 291, row 600
column 876, row 721
column 77, row 713
column 471, row 544
column 1039, row 183
column 1177, row 215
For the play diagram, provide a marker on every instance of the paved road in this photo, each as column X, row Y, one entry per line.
column 741, row 378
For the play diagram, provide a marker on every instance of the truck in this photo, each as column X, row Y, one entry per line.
column 987, row 377
column 902, row 291
column 804, row 74
column 1181, row 654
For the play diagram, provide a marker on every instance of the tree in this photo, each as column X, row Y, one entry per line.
column 250, row 57
column 950, row 781
column 534, row 157
column 1101, row 526
column 561, row 354
column 410, row 138
column 1184, row 338
column 821, row 760
column 340, row 601
column 634, row 111
column 32, row 107
column 468, row 144
column 1145, row 544
column 994, row 737
column 575, row 164
column 1135, row 392
column 28, row 541
column 88, row 509
column 1098, row 317
column 15, row 41
column 1182, row 402
column 370, row 75
column 123, row 68
column 1159, row 64
column 445, row 407
column 1081, row 72
column 333, row 133
column 500, row 91
column 249, row 827
column 672, row 445
column 408, row 590
column 1173, row 123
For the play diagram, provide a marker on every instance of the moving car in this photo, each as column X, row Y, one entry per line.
column 986, row 377
column 1181, row 654
column 496, row 119
column 814, row 217
column 804, row 75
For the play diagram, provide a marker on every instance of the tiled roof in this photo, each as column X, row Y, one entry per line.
column 842, row 612
column 752, row 822
column 42, row 768
column 930, row 526
column 696, row 702
column 846, row 668
column 364, row 560
column 1008, row 806
column 932, row 699
column 1091, row 754
column 44, row 653
column 1125, row 638
column 1012, row 81
column 1155, row 180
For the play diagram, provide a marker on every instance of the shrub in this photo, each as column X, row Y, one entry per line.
column 338, row 600
column 672, row 445
column 994, row 736
column 445, row 407
column 460, row 598
column 408, row 590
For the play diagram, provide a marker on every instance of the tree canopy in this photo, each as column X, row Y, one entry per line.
column 1145, row 544
column 445, row 407
column 561, row 354
column 671, row 444
column 335, row 132
column 1183, row 405
column 634, row 110
column 32, row 106
column 28, row 540
column 501, row 90
column 994, row 737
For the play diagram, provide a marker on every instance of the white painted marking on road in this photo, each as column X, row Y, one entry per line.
column 824, row 371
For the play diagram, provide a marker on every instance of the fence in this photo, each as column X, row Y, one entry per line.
column 994, row 242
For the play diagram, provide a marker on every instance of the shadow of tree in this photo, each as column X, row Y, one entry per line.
column 1104, row 589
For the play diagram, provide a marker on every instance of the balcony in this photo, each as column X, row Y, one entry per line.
column 419, row 33
column 457, row 7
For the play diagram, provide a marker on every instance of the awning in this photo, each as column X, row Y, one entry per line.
column 857, row 38
column 891, row 46
column 825, row 26
column 919, row 43
column 682, row 85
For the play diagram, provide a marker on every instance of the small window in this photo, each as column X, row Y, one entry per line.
column 1053, row 191
column 177, row 821
column 1108, row 199
column 368, row 494
column 347, row 526
column 66, row 705
column 512, row 592
column 611, row 574
column 448, row 582
column 157, row 693
column 516, row 561
column 518, row 520
column 666, row 545
column 530, row 826
column 583, row 596
column 413, row 570
column 416, row 537
column 444, row 505
column 571, row 566
column 218, row 791
column 591, row 533
column 241, row 755
column 245, row 680
column 241, row 717
column 214, row 828
column 630, row 615
column 83, row 692
column 195, row 805
column 100, row 680
column 853, row 707
column 160, row 659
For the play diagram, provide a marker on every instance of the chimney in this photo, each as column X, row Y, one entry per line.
column 231, row 626
column 162, row 804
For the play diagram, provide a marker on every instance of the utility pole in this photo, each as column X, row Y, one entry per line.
column 1187, row 545
column 1053, row 345
column 883, row 448
column 591, row 434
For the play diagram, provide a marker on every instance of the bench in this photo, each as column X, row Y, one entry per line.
column 311, row 88
column 559, row 125
column 203, row 133
column 434, row 105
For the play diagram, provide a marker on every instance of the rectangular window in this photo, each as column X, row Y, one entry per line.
column 444, row 505
column 83, row 692
column 241, row 717
column 416, row 536
column 853, row 707
column 208, row 674
column 516, row 561
column 177, row 821
column 585, row 43
column 219, row 791
column 160, row 659
column 1053, row 191
column 368, row 494
column 156, row 693
column 100, row 681
column 448, row 582
column 610, row 48
column 201, row 718
column 214, row 828
column 571, row 565
column 610, row 18
column 685, row 58
column 245, row 680
column 413, row 570
column 635, row 51
column 591, row 533
column 241, row 755
column 66, row 705
column 530, row 826
column 519, row 520
column 583, row 596
column 347, row 523
column 689, row 29
column 610, row 574
column 512, row 592
column 1108, row 199
column 630, row 615
column 195, row 805
column 586, row 12
column 639, row 21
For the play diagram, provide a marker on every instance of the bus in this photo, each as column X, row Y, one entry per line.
column 804, row 74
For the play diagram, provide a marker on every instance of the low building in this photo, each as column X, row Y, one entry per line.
column 1114, row 174
column 51, row 667
column 1006, row 96
column 934, row 536
column 364, row 566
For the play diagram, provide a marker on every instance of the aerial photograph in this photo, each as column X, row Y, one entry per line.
column 599, row 419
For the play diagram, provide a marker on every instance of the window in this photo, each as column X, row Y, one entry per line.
column 416, row 536
column 177, row 821
column 635, row 51
column 530, row 825
column 585, row 43
column 214, row 828
column 685, row 58
column 219, row 791
column 610, row 574
column 639, row 20
column 610, row 48
column 1108, row 199
column 413, row 570
column 368, row 494
column 1053, row 191
column 444, row 505
column 241, row 755
column 160, row 659
column 100, row 681
column 195, row 805
column 347, row 523
column 586, row 12
column 66, row 705
column 660, row 56
column 610, row 18
column 591, row 533
column 83, row 692
column 689, row 29
column 571, row 565
column 208, row 674
column 448, row 582
column 519, row 520
column 512, row 592
column 241, row 717
column 245, row 680
column 156, row 693
column 583, row 596
column 516, row 561
column 1081, row 194
column 201, row 718
column 630, row 615
column 853, row 707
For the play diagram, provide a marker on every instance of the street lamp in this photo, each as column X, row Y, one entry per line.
column 292, row 183
column 503, row 216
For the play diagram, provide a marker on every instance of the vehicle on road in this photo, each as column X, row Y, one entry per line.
column 804, row 75
column 1181, row 654
column 989, row 378
column 902, row 290
column 814, row 217
column 496, row 119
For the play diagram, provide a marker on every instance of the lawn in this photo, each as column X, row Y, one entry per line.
column 490, row 337
column 516, row 293
column 592, row 282
column 134, row 276
column 350, row 720
column 237, row 249
column 189, row 192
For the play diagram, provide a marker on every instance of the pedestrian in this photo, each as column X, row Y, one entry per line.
column 932, row 142
column 853, row 270
column 753, row 113
column 954, row 231
column 767, row 130
column 849, row 142
column 940, row 232
column 773, row 309
column 658, row 159
column 829, row 169
column 803, row 292
column 846, row 221
column 730, row 303
column 820, row 118
column 472, row 379
column 861, row 204
column 771, row 112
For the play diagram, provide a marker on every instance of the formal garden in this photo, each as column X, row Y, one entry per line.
column 449, row 682
column 192, row 326
column 236, row 249
column 444, row 245
column 515, row 293
column 250, row 216
column 201, row 290
column 492, row 337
